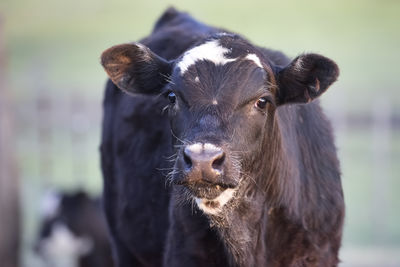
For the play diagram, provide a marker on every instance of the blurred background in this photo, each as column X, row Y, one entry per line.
column 51, row 88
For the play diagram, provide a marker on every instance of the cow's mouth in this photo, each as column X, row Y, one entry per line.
column 210, row 197
column 214, row 206
column 206, row 190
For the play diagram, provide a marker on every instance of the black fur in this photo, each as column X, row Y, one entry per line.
column 288, row 207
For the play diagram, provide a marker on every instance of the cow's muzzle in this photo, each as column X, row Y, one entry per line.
column 203, row 161
column 202, row 166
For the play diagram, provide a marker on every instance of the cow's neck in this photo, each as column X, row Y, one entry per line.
column 278, row 174
column 244, row 222
column 241, row 226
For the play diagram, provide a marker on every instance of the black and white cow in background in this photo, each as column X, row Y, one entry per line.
column 215, row 154
column 73, row 231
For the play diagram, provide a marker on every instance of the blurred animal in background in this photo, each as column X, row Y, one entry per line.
column 253, row 166
column 73, row 232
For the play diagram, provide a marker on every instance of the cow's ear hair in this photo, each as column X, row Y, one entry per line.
column 306, row 78
column 134, row 68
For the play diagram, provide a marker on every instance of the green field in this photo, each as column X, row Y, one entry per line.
column 53, row 50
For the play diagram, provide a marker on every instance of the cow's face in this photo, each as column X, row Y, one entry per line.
column 222, row 97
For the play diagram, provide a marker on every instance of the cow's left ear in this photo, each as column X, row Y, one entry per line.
column 306, row 78
column 134, row 68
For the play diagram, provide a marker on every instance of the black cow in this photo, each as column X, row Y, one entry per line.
column 253, row 167
column 73, row 231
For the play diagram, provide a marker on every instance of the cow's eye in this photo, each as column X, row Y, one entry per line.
column 172, row 97
column 261, row 103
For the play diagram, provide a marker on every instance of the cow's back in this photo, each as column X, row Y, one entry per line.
column 135, row 148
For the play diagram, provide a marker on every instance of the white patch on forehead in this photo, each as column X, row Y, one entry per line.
column 197, row 79
column 214, row 102
column 217, row 203
column 211, row 51
column 255, row 59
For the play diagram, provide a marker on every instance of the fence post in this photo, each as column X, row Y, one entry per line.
column 9, row 183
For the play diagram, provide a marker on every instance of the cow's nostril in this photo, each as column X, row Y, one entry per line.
column 218, row 161
column 187, row 160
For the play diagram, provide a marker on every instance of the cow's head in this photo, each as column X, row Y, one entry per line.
column 222, row 95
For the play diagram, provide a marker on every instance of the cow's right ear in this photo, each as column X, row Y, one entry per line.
column 134, row 68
